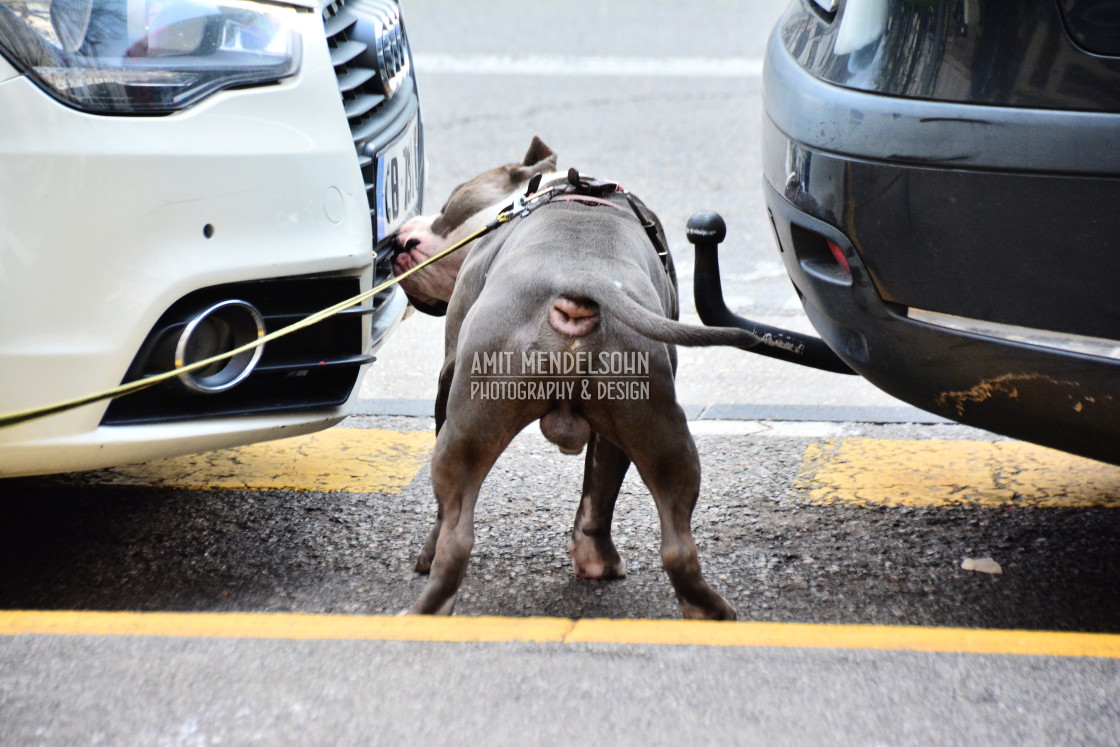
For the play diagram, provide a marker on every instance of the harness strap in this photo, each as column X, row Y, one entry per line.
column 586, row 200
column 589, row 185
column 650, row 227
column 576, row 188
column 588, row 190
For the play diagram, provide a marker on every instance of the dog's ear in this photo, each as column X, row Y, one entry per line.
column 539, row 157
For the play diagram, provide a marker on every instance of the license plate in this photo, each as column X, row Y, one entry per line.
column 398, row 181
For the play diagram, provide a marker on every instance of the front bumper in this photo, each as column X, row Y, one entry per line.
column 107, row 222
column 977, row 213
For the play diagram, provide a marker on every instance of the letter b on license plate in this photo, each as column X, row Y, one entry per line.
column 398, row 182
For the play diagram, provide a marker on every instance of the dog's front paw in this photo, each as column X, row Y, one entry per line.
column 428, row 552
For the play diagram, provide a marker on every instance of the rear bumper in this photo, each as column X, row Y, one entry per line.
column 983, row 214
column 1064, row 400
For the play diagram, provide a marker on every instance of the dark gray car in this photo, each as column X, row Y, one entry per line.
column 944, row 182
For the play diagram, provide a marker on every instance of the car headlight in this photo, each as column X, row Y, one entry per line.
column 147, row 56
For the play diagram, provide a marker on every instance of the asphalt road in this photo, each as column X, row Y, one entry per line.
column 824, row 502
column 329, row 529
column 241, row 533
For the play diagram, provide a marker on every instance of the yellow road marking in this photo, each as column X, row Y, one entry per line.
column 560, row 630
column 354, row 460
column 866, row 471
column 283, row 626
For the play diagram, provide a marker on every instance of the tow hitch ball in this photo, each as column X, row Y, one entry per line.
column 706, row 230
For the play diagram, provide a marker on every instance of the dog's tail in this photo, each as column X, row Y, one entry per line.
column 578, row 313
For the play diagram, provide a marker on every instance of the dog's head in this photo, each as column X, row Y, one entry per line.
column 471, row 206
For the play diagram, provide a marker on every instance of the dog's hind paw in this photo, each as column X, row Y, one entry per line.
column 719, row 610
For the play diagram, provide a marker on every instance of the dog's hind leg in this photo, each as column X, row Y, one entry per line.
column 459, row 466
column 670, row 469
column 591, row 547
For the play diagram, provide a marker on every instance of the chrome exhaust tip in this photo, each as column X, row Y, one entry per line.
column 219, row 329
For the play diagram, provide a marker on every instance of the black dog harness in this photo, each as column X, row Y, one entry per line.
column 578, row 189
column 589, row 191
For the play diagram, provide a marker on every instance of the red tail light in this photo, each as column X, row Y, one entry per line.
column 838, row 255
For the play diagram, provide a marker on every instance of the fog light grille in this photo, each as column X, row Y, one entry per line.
column 314, row 368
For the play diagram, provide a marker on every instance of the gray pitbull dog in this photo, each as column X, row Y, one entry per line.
column 568, row 313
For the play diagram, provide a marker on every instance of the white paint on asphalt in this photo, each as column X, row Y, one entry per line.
column 803, row 429
column 773, row 428
column 778, row 428
column 725, row 427
column 653, row 67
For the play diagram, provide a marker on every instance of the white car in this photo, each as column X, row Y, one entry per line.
column 178, row 177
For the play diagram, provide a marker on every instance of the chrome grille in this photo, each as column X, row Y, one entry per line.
column 369, row 54
column 369, row 51
column 368, row 48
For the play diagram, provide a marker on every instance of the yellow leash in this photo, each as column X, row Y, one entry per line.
column 23, row 416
